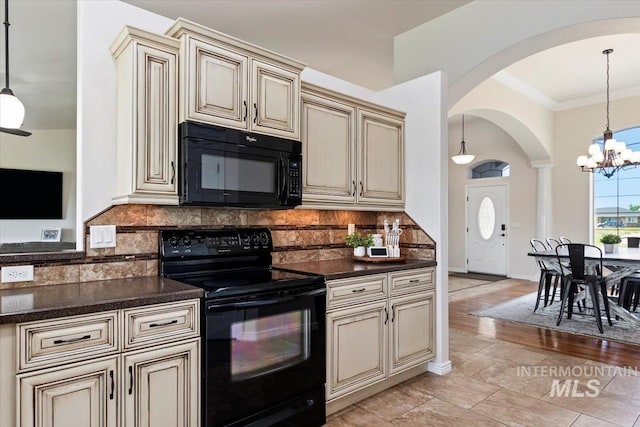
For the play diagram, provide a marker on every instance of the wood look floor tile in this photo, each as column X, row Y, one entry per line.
column 357, row 417
column 437, row 412
column 605, row 406
column 587, row 421
column 512, row 354
column 394, row 402
column 462, row 391
column 515, row 409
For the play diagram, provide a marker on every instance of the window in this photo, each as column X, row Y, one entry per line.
column 490, row 169
column 616, row 200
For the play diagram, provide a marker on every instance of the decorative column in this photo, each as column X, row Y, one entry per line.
column 543, row 198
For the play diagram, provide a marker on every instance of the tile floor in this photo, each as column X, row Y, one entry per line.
column 489, row 385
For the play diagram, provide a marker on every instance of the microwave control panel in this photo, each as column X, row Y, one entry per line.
column 295, row 180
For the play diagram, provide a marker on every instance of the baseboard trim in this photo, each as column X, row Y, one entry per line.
column 441, row 368
column 533, row 278
column 457, row 270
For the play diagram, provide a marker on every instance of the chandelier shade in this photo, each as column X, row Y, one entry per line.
column 612, row 155
column 462, row 158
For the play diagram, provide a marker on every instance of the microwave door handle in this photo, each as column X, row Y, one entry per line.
column 283, row 180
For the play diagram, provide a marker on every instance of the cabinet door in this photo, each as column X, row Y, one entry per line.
column 328, row 136
column 381, row 167
column 216, row 85
column 275, row 100
column 356, row 348
column 161, row 386
column 156, row 138
column 76, row 395
column 411, row 336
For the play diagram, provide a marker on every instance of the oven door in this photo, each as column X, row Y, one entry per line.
column 228, row 174
column 262, row 351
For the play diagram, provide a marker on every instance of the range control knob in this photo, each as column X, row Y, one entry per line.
column 264, row 238
column 255, row 239
column 245, row 239
column 186, row 241
column 173, row 241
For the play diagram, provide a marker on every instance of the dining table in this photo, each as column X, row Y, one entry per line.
column 619, row 264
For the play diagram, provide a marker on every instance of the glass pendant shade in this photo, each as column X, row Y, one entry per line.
column 463, row 159
column 11, row 110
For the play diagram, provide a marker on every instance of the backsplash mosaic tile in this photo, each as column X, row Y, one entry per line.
column 298, row 235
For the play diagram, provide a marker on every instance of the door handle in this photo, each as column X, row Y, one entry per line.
column 130, row 379
column 246, row 111
column 255, row 117
column 361, row 189
column 353, row 194
column 173, row 171
column 386, row 316
column 112, row 385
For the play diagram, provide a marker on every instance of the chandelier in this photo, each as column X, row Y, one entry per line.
column 462, row 158
column 613, row 155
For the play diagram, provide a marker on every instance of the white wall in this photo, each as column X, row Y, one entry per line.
column 99, row 22
column 480, row 38
column 424, row 101
column 46, row 150
column 489, row 142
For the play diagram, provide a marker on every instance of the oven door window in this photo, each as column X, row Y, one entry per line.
column 225, row 172
column 268, row 344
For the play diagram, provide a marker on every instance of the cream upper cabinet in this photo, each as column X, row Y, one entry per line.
column 328, row 135
column 147, row 90
column 83, row 394
column 228, row 82
column 162, row 386
column 411, row 335
column 353, row 152
column 381, row 153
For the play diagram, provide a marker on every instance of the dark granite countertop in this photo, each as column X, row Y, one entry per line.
column 341, row 268
column 46, row 302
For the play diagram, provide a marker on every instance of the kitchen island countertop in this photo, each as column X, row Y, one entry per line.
column 69, row 299
column 343, row 268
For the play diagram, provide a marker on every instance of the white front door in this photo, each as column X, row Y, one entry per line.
column 487, row 229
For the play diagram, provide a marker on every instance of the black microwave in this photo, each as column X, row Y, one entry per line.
column 232, row 168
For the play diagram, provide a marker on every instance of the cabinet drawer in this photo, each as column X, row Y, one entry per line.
column 160, row 323
column 356, row 290
column 51, row 342
column 402, row 282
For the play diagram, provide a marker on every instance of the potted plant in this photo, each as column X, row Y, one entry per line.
column 359, row 242
column 610, row 242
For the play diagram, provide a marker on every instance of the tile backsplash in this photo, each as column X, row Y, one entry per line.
column 298, row 235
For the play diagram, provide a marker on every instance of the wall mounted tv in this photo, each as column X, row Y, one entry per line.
column 29, row 194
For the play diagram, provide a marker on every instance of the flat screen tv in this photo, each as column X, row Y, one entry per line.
column 29, row 194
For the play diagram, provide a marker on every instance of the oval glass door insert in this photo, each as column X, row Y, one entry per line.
column 486, row 218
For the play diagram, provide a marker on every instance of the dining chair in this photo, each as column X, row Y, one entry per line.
column 580, row 273
column 564, row 240
column 546, row 275
column 553, row 243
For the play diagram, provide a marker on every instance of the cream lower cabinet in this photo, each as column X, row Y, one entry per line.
column 352, row 152
column 375, row 340
column 161, row 387
column 79, row 395
column 150, row 379
column 358, row 347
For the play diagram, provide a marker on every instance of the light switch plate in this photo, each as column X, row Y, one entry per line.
column 102, row 236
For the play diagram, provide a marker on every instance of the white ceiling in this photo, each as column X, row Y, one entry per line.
column 350, row 39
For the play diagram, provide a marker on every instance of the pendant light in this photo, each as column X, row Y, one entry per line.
column 614, row 154
column 462, row 158
column 11, row 109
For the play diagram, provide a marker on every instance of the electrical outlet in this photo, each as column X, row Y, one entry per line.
column 13, row 303
column 17, row 273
